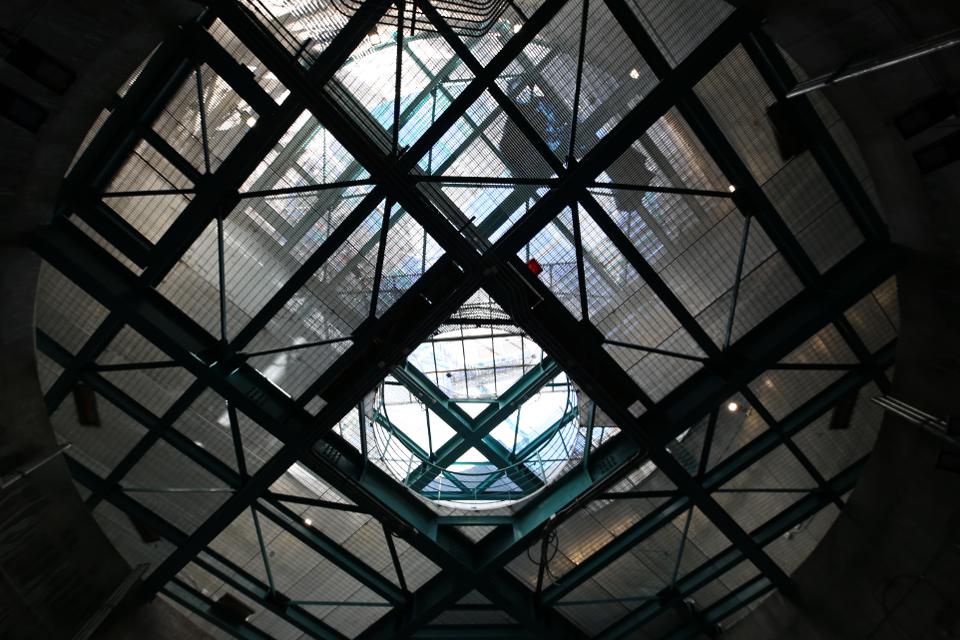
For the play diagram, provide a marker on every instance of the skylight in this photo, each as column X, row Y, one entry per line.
column 478, row 416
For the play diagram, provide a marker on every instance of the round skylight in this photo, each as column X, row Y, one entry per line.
column 478, row 416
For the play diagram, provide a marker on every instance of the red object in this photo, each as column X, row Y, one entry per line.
column 534, row 266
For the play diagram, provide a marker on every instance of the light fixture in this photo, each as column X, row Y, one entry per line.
column 731, row 188
column 308, row 522
column 251, row 121
column 732, row 406
column 198, row 443
column 634, row 73
column 517, row 27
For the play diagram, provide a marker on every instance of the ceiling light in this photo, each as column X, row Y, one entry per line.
column 308, row 522
column 731, row 188
column 251, row 121
column 198, row 443
column 732, row 406
column 634, row 74
column 517, row 27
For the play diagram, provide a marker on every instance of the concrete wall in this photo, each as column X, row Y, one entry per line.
column 890, row 567
column 56, row 567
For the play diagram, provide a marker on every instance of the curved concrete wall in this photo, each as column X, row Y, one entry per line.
column 56, row 566
column 889, row 567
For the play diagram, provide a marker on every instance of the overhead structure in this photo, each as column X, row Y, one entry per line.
column 432, row 319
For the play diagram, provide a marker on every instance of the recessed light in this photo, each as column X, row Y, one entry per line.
column 732, row 406
column 634, row 73
column 308, row 522
column 517, row 27
column 251, row 121
column 198, row 443
column 731, row 188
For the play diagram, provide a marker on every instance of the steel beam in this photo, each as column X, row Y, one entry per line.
column 783, row 331
column 272, row 508
column 712, row 569
column 474, row 432
column 160, row 321
column 219, row 566
column 749, row 195
column 721, row 474
column 188, row 597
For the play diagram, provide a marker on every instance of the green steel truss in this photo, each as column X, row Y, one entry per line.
column 380, row 342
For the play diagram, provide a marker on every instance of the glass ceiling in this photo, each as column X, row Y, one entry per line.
column 478, row 416
column 333, row 293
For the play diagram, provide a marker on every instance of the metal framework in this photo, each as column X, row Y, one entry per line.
column 393, row 177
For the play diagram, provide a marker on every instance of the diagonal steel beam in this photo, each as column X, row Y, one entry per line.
column 160, row 321
column 193, row 600
column 810, row 311
column 766, row 344
column 513, row 300
column 232, row 574
column 756, row 449
column 474, row 432
column 712, row 569
column 548, row 322
column 273, row 508
column 749, row 195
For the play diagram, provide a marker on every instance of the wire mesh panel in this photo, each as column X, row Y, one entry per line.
column 785, row 390
column 238, row 542
column 619, row 303
column 147, row 170
column 465, row 17
column 47, row 371
column 64, row 311
column 876, row 317
column 201, row 623
column 810, row 207
column 241, row 53
column 155, row 389
column 678, row 27
column 303, row 28
column 728, row 581
column 332, row 303
column 554, row 250
column 207, row 424
column 615, row 77
column 101, row 448
column 179, row 491
column 833, row 447
column 594, row 618
column 260, row 618
column 204, row 124
column 765, row 489
column 734, row 426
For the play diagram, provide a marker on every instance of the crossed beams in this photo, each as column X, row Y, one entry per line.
column 475, row 432
column 512, row 292
column 246, row 387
